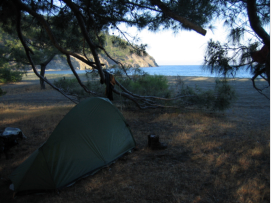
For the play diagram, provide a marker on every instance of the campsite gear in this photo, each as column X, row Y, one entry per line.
column 154, row 143
column 9, row 138
column 110, row 83
column 12, row 132
column 91, row 136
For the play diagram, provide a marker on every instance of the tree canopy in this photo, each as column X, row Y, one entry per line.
column 73, row 28
column 245, row 21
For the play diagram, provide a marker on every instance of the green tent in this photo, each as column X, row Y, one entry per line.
column 92, row 135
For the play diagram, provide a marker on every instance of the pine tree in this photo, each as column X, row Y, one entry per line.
column 73, row 27
column 245, row 21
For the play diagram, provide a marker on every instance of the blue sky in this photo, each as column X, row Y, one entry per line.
column 184, row 48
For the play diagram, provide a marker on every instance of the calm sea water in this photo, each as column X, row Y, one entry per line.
column 172, row 70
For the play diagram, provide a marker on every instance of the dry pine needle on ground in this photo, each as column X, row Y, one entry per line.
column 211, row 157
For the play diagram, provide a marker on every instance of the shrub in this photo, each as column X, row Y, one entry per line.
column 225, row 94
column 218, row 99
column 151, row 85
column 8, row 75
column 143, row 84
column 72, row 87
column 2, row 92
column 66, row 84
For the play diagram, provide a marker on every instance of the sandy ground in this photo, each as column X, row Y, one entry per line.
column 250, row 107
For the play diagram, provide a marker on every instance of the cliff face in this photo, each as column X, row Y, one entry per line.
column 60, row 63
column 131, row 60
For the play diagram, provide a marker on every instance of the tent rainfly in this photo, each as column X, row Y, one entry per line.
column 92, row 135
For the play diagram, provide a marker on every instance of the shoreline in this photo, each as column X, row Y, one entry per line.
column 250, row 104
column 217, row 77
column 31, row 79
column 165, row 70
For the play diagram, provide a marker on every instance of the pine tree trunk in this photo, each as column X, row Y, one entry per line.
column 42, row 70
column 255, row 23
column 42, row 73
column 267, row 68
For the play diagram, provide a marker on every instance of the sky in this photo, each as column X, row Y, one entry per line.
column 184, row 48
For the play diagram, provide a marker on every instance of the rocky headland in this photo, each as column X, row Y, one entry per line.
column 59, row 62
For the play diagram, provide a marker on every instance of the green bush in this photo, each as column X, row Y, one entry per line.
column 225, row 94
column 72, row 87
column 66, row 84
column 218, row 99
column 151, row 85
column 143, row 84
column 96, row 86
column 2, row 92
column 8, row 75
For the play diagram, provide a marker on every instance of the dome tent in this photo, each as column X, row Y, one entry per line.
column 92, row 135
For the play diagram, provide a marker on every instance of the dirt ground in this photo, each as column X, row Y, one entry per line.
column 250, row 107
column 211, row 156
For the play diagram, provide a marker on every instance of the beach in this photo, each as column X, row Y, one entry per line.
column 250, row 105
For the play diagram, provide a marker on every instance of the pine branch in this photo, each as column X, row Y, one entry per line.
column 50, row 33
column 92, row 46
column 181, row 19
column 77, row 77
column 28, row 51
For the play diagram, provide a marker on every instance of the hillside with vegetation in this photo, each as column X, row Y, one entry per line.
column 60, row 63
column 117, row 48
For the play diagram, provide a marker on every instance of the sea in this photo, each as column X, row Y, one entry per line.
column 174, row 70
